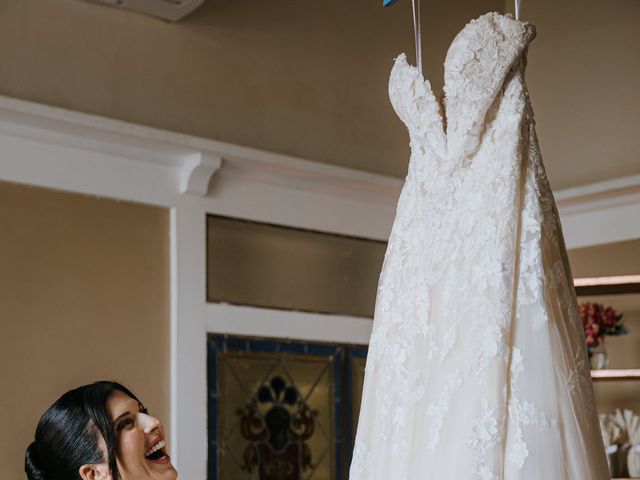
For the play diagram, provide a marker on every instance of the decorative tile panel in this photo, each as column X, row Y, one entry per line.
column 281, row 410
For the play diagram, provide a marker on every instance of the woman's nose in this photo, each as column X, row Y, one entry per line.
column 150, row 423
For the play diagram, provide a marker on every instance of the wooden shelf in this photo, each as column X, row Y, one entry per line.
column 615, row 375
column 619, row 289
column 615, row 285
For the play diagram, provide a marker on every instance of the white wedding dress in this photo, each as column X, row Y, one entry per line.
column 477, row 367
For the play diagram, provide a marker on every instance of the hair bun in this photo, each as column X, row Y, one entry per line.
column 32, row 463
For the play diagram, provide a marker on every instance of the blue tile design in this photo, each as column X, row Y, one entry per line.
column 320, row 350
column 292, row 347
column 262, row 346
column 212, row 369
column 358, row 352
column 236, row 344
column 216, row 342
column 338, row 456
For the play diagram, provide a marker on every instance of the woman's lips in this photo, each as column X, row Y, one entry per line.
column 162, row 460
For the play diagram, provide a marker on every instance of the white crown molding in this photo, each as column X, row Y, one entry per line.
column 160, row 148
column 602, row 212
column 252, row 321
column 618, row 191
column 197, row 172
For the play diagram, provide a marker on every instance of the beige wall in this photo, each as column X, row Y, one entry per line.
column 583, row 74
column 84, row 295
column 309, row 78
column 621, row 258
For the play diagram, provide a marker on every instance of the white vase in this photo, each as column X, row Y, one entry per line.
column 633, row 461
column 599, row 357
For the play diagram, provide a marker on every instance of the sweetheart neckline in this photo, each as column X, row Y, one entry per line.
column 511, row 30
column 473, row 20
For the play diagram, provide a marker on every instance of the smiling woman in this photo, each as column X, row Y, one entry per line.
column 99, row 431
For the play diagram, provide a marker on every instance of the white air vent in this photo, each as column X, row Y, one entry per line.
column 172, row 10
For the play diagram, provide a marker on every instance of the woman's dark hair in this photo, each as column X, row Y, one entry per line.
column 68, row 433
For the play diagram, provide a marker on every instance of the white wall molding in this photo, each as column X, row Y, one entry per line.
column 286, row 324
column 76, row 152
column 606, row 188
column 53, row 126
column 603, row 212
column 197, row 172
column 188, row 342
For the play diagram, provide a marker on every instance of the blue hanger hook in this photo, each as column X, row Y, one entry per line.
column 388, row 3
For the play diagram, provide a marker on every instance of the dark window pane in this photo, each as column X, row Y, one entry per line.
column 251, row 263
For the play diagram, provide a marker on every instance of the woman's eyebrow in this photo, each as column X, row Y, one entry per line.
column 123, row 415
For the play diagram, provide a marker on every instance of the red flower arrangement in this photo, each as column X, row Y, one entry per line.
column 598, row 321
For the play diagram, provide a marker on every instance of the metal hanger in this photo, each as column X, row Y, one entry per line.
column 415, row 4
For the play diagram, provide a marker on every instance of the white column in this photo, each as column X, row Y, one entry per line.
column 188, row 340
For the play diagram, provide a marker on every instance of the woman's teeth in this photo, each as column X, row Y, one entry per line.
column 155, row 448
